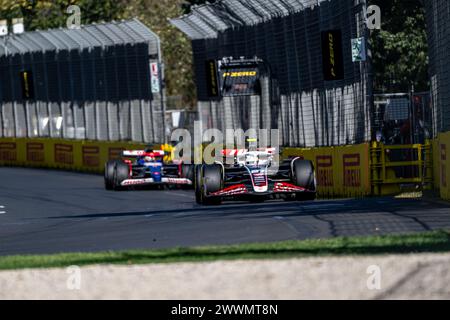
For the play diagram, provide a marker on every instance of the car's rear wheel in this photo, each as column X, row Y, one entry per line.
column 303, row 176
column 211, row 181
column 109, row 174
column 198, row 183
column 121, row 173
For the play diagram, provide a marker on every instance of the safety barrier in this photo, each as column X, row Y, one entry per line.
column 442, row 164
column 340, row 171
column 347, row 171
column 395, row 168
column 84, row 156
column 364, row 170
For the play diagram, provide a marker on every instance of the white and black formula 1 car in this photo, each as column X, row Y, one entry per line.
column 146, row 168
column 255, row 177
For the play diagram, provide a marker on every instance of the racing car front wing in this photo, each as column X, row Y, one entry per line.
column 242, row 189
column 150, row 181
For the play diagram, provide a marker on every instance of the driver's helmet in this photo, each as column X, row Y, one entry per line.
column 252, row 144
column 148, row 158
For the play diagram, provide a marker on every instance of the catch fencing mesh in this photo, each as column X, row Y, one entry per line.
column 438, row 22
column 100, row 82
column 295, row 98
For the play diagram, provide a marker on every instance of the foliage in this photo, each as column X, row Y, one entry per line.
column 46, row 14
column 177, row 52
column 176, row 47
column 400, row 51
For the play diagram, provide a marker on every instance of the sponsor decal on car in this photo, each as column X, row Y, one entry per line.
column 231, row 191
column 135, row 182
column 153, row 164
column 287, row 187
column 142, row 153
column 259, row 179
column 177, row 181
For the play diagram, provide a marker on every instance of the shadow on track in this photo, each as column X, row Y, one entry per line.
column 286, row 209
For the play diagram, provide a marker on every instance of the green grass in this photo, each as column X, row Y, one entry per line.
column 438, row 241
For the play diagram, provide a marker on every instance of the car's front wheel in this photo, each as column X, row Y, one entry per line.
column 198, row 182
column 109, row 174
column 121, row 173
column 211, row 181
column 303, row 176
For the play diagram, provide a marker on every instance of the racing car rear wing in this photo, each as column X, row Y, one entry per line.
column 239, row 152
column 142, row 153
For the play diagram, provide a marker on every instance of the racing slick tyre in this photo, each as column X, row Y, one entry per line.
column 303, row 176
column 121, row 173
column 211, row 181
column 109, row 174
column 198, row 182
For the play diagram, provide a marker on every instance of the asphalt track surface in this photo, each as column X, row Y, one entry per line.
column 45, row 211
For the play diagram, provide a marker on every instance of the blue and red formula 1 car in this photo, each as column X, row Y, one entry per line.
column 145, row 168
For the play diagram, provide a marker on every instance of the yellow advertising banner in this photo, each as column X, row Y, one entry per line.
column 340, row 171
column 442, row 163
column 86, row 156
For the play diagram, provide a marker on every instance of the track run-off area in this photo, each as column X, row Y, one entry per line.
column 45, row 212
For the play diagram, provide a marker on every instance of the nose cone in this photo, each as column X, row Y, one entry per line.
column 156, row 173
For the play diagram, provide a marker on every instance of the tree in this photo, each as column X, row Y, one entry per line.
column 176, row 47
column 47, row 14
column 400, row 56
column 177, row 52
column 400, row 50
